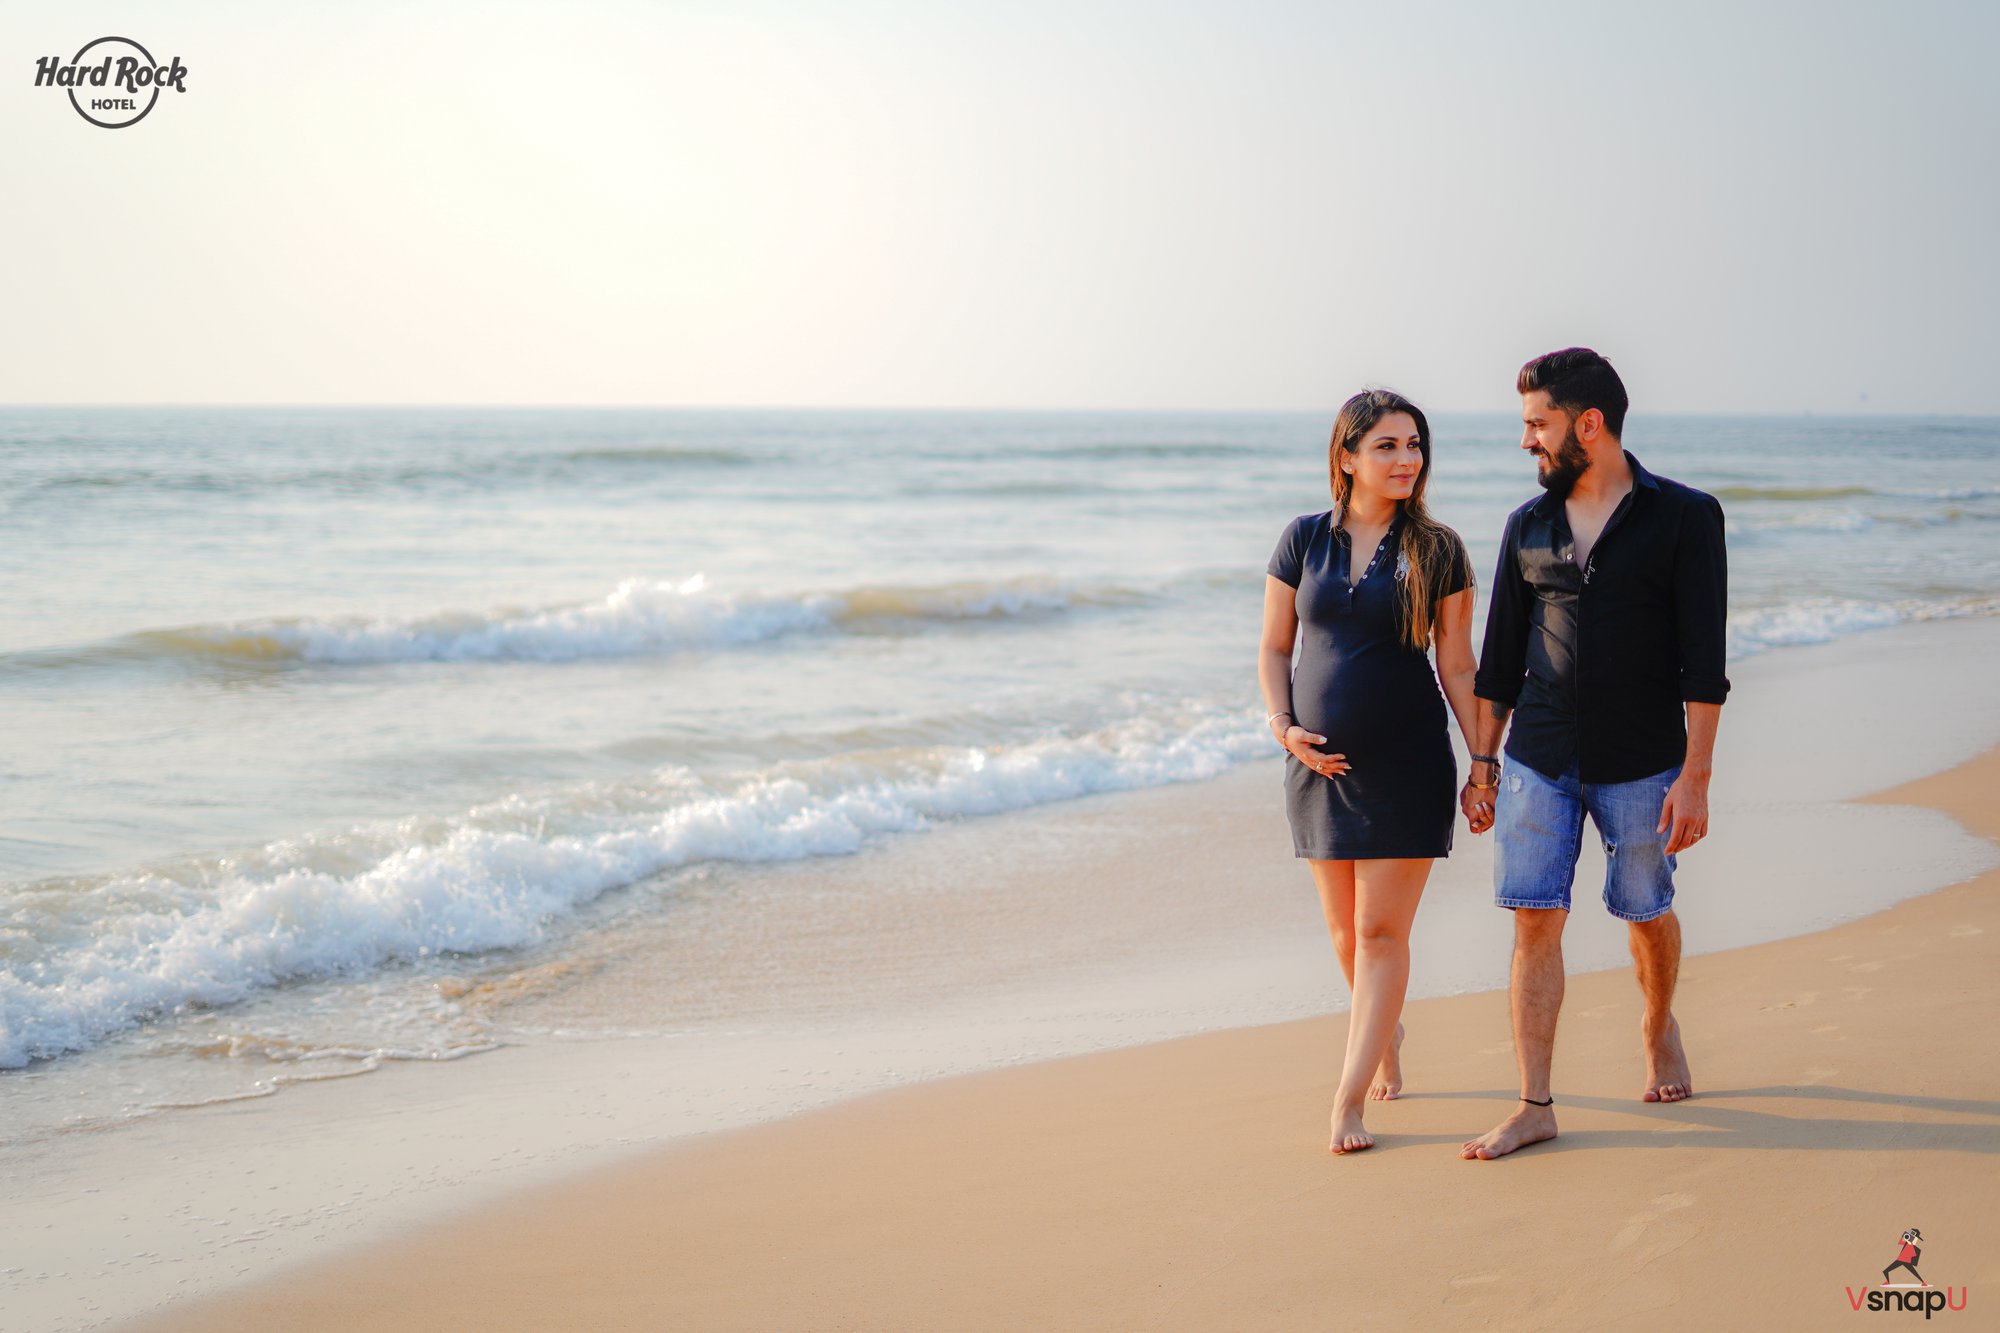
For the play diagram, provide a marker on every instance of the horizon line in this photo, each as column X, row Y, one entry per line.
column 943, row 408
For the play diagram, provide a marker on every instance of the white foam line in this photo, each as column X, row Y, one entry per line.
column 154, row 943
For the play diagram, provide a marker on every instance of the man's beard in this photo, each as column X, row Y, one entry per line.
column 1565, row 465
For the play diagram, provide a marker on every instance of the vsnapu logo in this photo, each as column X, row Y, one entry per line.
column 113, row 81
column 1909, row 1296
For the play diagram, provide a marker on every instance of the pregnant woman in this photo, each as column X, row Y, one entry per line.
column 1368, row 588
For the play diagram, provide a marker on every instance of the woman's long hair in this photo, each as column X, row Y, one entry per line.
column 1427, row 546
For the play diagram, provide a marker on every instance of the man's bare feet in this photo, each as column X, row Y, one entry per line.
column 1667, row 1076
column 1389, row 1076
column 1348, row 1135
column 1530, row 1124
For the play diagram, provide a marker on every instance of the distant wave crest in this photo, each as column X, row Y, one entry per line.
column 386, row 476
column 659, row 454
column 1824, row 619
column 1810, row 494
column 639, row 616
column 1792, row 492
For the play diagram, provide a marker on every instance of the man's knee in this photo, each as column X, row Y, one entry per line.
column 1663, row 929
column 1539, row 927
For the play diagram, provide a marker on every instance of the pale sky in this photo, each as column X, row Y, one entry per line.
column 1748, row 207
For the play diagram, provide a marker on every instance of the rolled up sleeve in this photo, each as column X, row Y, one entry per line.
column 1701, row 604
column 1503, row 656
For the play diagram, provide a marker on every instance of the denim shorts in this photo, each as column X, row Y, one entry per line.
column 1538, row 831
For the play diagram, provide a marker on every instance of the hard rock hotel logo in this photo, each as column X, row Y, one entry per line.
column 112, row 82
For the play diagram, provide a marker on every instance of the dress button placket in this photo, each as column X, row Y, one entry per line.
column 1347, row 552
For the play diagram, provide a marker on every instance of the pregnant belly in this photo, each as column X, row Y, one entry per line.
column 1402, row 713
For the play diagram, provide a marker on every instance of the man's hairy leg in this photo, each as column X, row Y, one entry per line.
column 1656, row 957
column 1536, row 996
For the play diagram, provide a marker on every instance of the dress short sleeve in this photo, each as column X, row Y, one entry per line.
column 1289, row 560
column 1454, row 571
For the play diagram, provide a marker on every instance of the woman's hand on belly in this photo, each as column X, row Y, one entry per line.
column 1302, row 742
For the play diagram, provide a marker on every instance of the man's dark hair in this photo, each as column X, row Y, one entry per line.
column 1577, row 379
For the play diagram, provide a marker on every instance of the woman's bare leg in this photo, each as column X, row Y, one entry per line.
column 1385, row 898
column 1335, row 880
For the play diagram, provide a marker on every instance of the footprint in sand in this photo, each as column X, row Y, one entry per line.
column 1795, row 1003
column 1633, row 1230
column 1825, row 1028
column 1866, row 967
column 1461, row 1281
column 1818, row 1074
column 1965, row 932
column 1636, row 1228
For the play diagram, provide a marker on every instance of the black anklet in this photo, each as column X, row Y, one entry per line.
column 1532, row 1102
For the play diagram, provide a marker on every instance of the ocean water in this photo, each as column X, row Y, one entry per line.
column 315, row 721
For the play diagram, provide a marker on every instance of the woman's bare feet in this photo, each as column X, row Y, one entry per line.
column 1667, row 1076
column 1530, row 1124
column 1348, row 1135
column 1389, row 1076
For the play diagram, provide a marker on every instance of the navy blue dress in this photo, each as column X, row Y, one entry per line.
column 1375, row 699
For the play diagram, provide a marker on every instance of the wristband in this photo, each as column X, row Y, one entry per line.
column 1484, row 758
column 1282, row 712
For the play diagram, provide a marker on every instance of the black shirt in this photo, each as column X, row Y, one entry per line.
column 1596, row 662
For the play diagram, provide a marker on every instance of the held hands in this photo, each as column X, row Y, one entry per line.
column 1477, row 807
column 1476, row 802
column 1301, row 742
column 1684, row 812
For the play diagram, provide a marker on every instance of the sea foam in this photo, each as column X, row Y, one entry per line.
column 93, row 959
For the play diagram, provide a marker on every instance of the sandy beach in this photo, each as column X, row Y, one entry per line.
column 639, row 644
column 1844, row 1094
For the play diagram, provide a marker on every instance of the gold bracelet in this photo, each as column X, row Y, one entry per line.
column 1482, row 786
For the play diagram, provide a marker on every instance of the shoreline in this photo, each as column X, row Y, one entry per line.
column 1181, row 1184
column 227, row 1194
